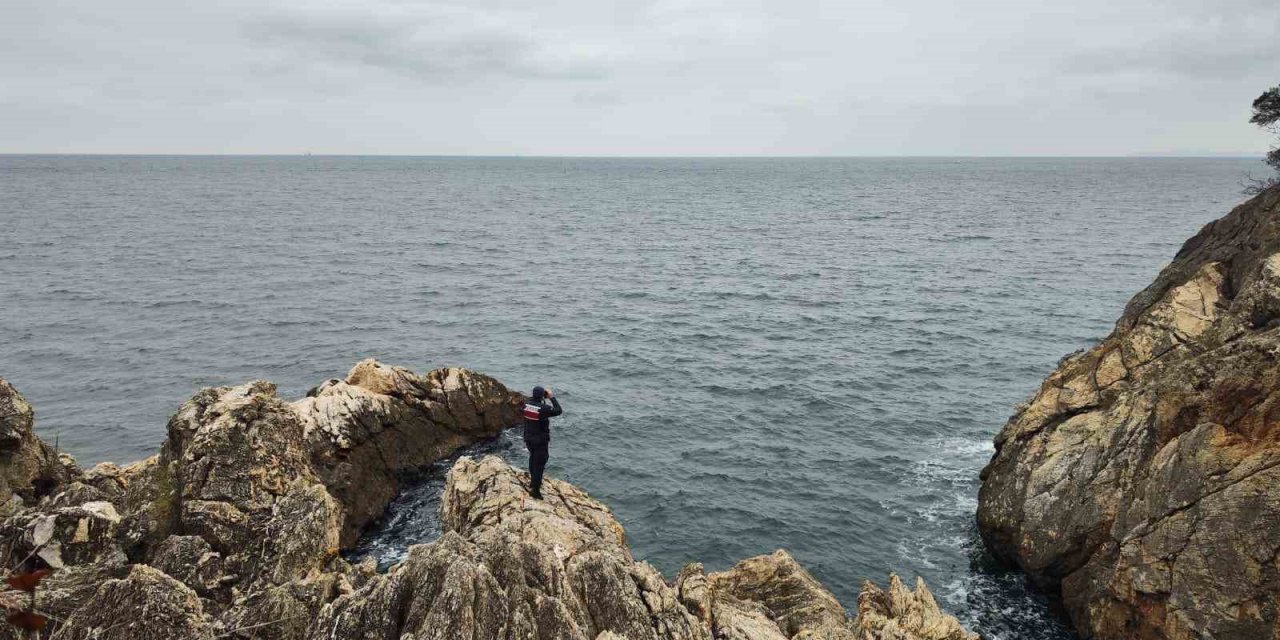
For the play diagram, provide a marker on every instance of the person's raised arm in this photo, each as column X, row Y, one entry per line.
column 555, row 409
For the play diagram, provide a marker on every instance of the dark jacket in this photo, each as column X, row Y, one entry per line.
column 537, row 427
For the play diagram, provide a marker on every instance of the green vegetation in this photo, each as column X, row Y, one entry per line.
column 1266, row 114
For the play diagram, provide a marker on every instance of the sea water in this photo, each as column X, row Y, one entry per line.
column 811, row 354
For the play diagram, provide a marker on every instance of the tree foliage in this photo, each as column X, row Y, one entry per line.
column 1266, row 109
column 1266, row 114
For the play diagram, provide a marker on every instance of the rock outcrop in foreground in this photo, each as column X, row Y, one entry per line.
column 234, row 530
column 509, row 566
column 29, row 468
column 1143, row 478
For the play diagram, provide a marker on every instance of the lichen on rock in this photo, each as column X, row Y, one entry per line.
column 146, row 604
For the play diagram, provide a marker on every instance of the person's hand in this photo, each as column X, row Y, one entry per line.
column 549, row 394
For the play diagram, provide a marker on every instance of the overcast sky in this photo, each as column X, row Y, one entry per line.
column 635, row 77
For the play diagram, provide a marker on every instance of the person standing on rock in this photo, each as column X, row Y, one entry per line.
column 537, row 434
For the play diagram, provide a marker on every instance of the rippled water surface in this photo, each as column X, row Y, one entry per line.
column 802, row 353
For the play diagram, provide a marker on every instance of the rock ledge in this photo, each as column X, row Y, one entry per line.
column 234, row 530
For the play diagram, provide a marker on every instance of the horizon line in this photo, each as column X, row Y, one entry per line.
column 1150, row 155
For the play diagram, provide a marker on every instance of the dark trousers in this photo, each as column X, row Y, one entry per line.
column 538, row 454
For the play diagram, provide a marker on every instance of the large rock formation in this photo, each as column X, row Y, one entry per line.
column 1143, row 478
column 509, row 566
column 234, row 531
column 365, row 431
column 248, row 503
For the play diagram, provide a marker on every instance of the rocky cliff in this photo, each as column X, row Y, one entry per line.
column 1143, row 478
column 234, row 530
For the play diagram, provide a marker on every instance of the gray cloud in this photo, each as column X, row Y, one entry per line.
column 431, row 43
column 879, row 77
column 1207, row 41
